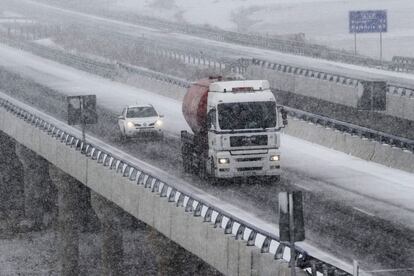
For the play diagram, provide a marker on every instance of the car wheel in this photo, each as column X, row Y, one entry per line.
column 122, row 136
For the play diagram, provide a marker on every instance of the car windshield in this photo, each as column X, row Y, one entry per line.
column 141, row 111
column 248, row 115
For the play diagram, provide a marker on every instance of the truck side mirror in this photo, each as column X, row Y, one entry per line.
column 120, row 117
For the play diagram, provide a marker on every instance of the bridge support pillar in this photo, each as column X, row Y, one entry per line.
column 39, row 194
column 11, row 183
column 112, row 252
column 69, row 194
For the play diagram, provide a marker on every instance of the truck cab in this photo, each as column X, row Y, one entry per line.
column 242, row 131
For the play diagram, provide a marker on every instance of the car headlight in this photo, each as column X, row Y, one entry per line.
column 158, row 123
column 223, row 161
column 275, row 158
column 130, row 124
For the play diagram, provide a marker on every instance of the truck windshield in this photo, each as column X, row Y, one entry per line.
column 141, row 111
column 247, row 115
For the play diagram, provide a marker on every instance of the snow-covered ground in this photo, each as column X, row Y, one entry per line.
column 390, row 191
column 323, row 21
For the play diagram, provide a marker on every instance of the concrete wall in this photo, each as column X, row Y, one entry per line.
column 354, row 145
column 400, row 106
column 332, row 91
column 224, row 252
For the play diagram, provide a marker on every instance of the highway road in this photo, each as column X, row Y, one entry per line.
column 372, row 200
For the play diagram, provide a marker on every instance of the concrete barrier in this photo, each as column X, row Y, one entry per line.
column 400, row 106
column 354, row 145
column 330, row 88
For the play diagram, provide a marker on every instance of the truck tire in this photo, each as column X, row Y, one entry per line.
column 186, row 159
column 202, row 170
column 211, row 178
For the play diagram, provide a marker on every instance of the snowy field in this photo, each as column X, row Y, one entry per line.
column 322, row 21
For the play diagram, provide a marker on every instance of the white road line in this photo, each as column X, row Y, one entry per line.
column 364, row 212
column 303, row 187
column 391, row 270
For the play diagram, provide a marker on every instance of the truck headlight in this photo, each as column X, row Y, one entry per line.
column 223, row 161
column 130, row 124
column 158, row 123
column 275, row 158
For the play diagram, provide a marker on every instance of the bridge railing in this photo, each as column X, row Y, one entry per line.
column 230, row 224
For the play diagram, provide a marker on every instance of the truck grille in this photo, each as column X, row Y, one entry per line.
column 252, row 159
column 249, row 169
column 242, row 141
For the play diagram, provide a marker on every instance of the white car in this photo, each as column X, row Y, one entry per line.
column 140, row 121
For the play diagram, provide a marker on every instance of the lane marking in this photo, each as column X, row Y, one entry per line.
column 303, row 187
column 391, row 270
column 364, row 212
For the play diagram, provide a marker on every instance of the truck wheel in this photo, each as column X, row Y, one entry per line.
column 274, row 179
column 212, row 179
column 186, row 165
column 202, row 172
column 186, row 160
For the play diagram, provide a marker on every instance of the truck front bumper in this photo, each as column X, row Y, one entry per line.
column 245, row 164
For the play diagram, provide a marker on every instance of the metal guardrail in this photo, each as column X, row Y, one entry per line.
column 154, row 75
column 241, row 229
column 402, row 64
column 394, row 89
column 306, row 72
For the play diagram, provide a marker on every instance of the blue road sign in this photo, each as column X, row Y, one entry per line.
column 368, row 21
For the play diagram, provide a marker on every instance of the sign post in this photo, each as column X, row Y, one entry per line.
column 355, row 268
column 355, row 51
column 381, row 48
column 369, row 21
column 291, row 224
column 82, row 111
